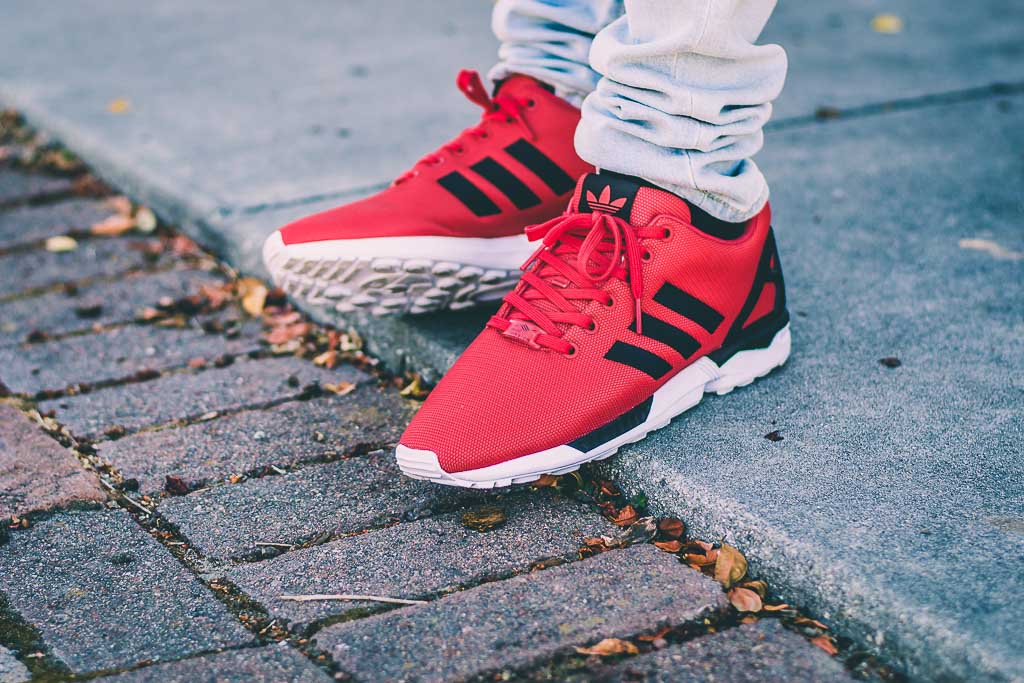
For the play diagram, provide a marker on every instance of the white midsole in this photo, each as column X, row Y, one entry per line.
column 676, row 396
column 501, row 253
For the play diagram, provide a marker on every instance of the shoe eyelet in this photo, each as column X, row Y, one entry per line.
column 667, row 234
column 531, row 103
column 609, row 304
column 591, row 328
column 647, row 256
column 484, row 136
column 571, row 352
column 509, row 119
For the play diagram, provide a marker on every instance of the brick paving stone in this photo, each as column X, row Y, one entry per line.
column 340, row 497
column 285, row 435
column 37, row 473
column 420, row 559
column 103, row 593
column 11, row 670
column 101, row 303
column 27, row 224
column 270, row 664
column 526, row 619
column 19, row 186
column 193, row 394
column 750, row 653
column 113, row 354
column 27, row 270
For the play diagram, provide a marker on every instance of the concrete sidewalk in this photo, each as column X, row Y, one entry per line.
column 898, row 208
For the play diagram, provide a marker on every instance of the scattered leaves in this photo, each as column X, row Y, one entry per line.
column 826, row 644
column 327, row 359
column 745, row 600
column 341, row 388
column 61, row 243
column 626, row 516
column 253, row 294
column 669, row 546
column 112, row 226
column 414, row 389
column 671, row 527
column 730, row 566
column 484, row 518
column 545, row 481
column 610, row 646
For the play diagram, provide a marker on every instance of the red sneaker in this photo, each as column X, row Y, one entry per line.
column 635, row 305
column 449, row 232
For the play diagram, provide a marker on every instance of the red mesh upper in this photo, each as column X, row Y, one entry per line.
column 502, row 399
column 420, row 206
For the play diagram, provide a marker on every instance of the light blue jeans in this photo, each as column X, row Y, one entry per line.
column 673, row 91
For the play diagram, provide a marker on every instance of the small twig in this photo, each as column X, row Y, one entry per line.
column 277, row 469
column 268, row 627
column 269, row 544
column 347, row 596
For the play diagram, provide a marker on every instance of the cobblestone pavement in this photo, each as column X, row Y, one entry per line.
column 168, row 475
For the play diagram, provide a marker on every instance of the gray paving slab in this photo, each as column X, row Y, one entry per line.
column 194, row 394
column 342, row 497
column 420, row 559
column 113, row 354
column 29, row 224
column 101, row 303
column 524, row 620
column 11, row 670
column 104, row 594
column 37, row 473
column 24, row 271
column 270, row 664
column 884, row 474
column 18, row 186
column 283, row 436
column 749, row 653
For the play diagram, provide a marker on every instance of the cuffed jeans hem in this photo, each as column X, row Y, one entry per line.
column 503, row 70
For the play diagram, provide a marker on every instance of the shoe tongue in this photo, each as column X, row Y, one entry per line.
column 629, row 198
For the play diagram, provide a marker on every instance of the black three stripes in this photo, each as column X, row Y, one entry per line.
column 506, row 182
column 680, row 302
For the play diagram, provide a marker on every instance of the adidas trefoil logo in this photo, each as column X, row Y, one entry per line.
column 605, row 203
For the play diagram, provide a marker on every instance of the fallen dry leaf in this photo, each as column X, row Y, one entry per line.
column 253, row 294
column 730, row 566
column 669, row 546
column 626, row 516
column 886, row 23
column 145, row 220
column 341, row 388
column 112, row 226
column 775, row 608
column 119, row 204
column 484, row 518
column 327, row 359
column 649, row 637
column 610, row 646
column 826, row 644
column 414, row 389
column 745, row 600
column 546, row 481
column 282, row 335
column 671, row 527
column 806, row 621
column 61, row 243
column 759, row 587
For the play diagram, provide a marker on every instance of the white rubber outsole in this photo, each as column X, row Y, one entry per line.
column 678, row 395
column 376, row 275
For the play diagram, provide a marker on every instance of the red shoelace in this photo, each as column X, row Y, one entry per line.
column 505, row 108
column 604, row 246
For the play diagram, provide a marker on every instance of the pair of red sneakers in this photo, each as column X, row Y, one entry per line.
column 633, row 305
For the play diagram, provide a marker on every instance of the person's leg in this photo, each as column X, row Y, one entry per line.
column 683, row 97
column 550, row 40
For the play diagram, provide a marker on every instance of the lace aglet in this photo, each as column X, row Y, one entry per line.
column 639, row 319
